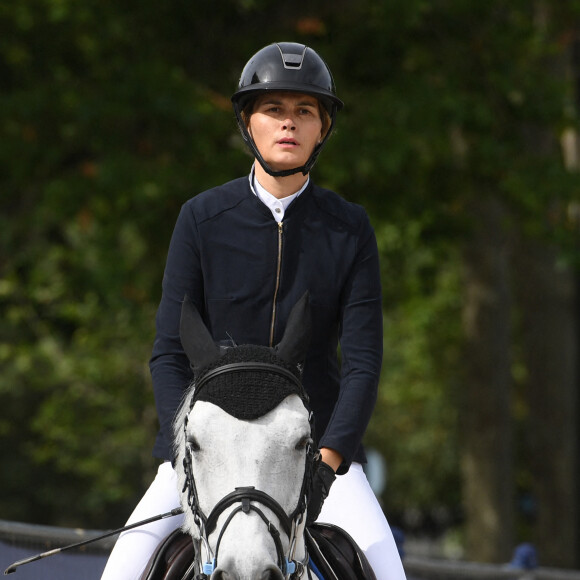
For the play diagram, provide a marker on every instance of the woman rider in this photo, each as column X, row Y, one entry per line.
column 245, row 252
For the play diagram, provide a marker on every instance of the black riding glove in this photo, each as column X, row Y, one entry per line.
column 322, row 479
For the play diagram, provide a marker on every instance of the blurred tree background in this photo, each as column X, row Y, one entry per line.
column 459, row 135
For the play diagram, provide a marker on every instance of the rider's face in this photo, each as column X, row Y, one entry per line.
column 285, row 128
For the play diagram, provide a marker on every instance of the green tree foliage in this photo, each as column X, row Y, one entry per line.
column 448, row 103
column 113, row 114
column 102, row 142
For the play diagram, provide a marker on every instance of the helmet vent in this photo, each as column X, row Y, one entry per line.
column 293, row 61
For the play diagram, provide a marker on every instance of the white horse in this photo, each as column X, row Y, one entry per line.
column 244, row 450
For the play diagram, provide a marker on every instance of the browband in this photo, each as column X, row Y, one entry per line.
column 248, row 366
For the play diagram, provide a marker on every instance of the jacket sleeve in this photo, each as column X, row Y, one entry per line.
column 361, row 347
column 170, row 369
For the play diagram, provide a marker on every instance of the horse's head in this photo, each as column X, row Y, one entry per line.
column 244, row 451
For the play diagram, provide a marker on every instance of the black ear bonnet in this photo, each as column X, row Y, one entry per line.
column 248, row 381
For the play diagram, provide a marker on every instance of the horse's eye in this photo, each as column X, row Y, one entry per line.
column 193, row 444
column 303, row 443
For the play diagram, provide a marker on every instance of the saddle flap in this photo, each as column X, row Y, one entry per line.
column 172, row 558
column 336, row 554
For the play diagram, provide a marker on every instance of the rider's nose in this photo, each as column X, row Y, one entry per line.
column 289, row 124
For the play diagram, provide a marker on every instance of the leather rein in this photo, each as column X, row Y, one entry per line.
column 250, row 498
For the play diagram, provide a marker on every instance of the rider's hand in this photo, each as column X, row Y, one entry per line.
column 322, row 479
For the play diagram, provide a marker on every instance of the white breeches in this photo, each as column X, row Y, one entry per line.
column 134, row 548
column 351, row 505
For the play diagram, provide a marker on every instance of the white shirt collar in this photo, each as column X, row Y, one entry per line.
column 275, row 205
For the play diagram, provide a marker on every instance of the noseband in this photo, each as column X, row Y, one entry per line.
column 249, row 498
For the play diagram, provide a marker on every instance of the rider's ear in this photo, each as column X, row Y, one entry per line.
column 294, row 344
column 196, row 340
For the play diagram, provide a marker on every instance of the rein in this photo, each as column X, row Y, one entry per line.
column 247, row 497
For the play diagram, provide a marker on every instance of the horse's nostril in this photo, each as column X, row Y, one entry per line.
column 271, row 573
column 224, row 575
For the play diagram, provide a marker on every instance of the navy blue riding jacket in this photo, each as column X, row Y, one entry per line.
column 244, row 272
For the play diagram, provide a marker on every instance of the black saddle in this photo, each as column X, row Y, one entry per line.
column 334, row 553
column 172, row 559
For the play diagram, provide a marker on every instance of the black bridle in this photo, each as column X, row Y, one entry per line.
column 249, row 498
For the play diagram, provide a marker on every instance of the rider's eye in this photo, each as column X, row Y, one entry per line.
column 303, row 443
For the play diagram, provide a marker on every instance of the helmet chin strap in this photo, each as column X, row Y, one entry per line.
column 304, row 169
column 283, row 173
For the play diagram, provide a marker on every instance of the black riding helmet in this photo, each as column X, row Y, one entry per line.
column 286, row 66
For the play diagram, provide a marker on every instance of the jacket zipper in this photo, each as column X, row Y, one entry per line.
column 278, row 268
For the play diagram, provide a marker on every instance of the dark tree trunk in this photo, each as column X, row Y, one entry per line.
column 487, row 456
column 547, row 293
